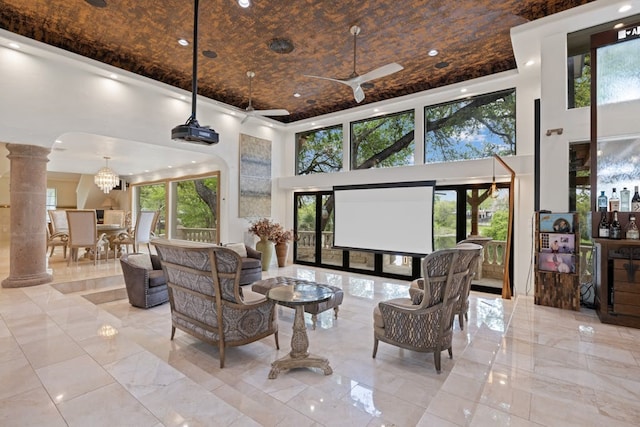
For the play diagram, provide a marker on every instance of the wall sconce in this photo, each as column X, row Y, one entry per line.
column 557, row 131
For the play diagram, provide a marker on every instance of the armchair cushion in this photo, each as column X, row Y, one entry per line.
column 238, row 248
column 156, row 278
column 416, row 291
column 140, row 261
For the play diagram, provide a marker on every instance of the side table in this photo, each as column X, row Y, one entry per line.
column 297, row 296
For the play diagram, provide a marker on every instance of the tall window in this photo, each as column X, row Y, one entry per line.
column 579, row 72
column 319, row 151
column 153, row 197
column 52, row 198
column 473, row 128
column 385, row 141
column 51, row 201
column 196, row 209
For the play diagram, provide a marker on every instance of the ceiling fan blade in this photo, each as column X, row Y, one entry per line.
column 383, row 71
column 358, row 93
column 346, row 82
column 277, row 112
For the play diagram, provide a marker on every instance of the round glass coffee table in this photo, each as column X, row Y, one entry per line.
column 297, row 296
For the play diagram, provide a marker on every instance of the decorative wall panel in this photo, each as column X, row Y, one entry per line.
column 255, row 177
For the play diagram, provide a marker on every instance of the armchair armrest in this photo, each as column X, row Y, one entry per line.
column 133, row 274
column 61, row 234
column 252, row 253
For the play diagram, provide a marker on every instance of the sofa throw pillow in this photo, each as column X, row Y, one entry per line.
column 238, row 248
column 140, row 261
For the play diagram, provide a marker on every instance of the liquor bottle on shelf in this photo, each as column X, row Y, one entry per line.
column 603, row 202
column 614, row 201
column 603, row 227
column 615, row 230
column 632, row 229
column 635, row 201
column 625, row 196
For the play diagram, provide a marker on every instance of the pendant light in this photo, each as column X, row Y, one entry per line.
column 106, row 179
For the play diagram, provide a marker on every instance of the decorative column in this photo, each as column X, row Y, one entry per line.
column 28, row 188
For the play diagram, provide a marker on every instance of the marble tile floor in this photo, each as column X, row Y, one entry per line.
column 67, row 361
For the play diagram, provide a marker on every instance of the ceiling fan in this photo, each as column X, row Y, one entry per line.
column 251, row 112
column 355, row 81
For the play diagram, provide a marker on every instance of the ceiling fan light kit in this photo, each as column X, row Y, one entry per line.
column 356, row 81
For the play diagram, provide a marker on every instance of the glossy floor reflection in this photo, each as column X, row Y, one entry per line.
column 67, row 361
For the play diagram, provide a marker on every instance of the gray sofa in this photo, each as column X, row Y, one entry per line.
column 146, row 287
column 251, row 267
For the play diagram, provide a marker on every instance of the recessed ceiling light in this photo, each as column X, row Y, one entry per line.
column 270, row 125
column 58, row 141
column 280, row 45
column 297, row 95
column 244, row 3
column 530, row 63
column 624, row 8
column 169, row 166
column 182, row 97
column 233, row 113
column 193, row 161
column 183, row 42
column 433, row 52
column 146, row 170
column 375, row 110
column 619, row 25
column 463, row 90
column 113, row 76
column 14, row 45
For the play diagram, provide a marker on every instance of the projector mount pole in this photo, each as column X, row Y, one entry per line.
column 194, row 79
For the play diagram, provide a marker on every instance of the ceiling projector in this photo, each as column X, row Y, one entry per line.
column 193, row 132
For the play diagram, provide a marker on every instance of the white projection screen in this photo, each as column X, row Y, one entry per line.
column 392, row 218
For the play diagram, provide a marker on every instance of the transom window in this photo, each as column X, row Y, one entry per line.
column 472, row 128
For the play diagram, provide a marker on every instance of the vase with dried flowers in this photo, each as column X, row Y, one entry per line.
column 281, row 240
column 266, row 230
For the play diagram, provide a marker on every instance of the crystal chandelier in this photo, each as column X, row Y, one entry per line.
column 106, row 179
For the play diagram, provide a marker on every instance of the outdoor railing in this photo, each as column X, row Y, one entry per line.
column 206, row 235
column 492, row 255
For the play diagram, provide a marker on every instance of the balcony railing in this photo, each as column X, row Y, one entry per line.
column 492, row 255
column 206, row 235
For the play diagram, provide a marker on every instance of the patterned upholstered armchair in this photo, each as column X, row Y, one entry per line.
column 425, row 324
column 206, row 298
column 473, row 252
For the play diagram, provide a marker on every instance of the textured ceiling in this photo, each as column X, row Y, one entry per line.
column 141, row 36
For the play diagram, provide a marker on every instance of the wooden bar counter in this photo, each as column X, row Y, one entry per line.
column 617, row 296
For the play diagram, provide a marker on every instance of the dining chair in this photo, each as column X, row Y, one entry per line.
column 114, row 217
column 59, row 223
column 141, row 233
column 83, row 233
column 57, row 239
